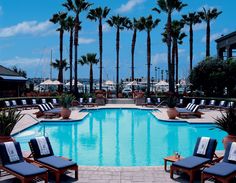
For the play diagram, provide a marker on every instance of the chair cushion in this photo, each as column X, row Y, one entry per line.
column 191, row 162
column 210, row 149
column 55, row 110
column 181, row 110
column 221, row 169
column 56, row 162
column 25, row 169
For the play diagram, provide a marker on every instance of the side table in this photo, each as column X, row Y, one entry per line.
column 170, row 159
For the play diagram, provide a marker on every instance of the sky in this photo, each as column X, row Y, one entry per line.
column 27, row 37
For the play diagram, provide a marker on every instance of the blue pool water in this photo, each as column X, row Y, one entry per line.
column 120, row 137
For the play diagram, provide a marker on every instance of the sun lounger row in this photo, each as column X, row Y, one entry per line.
column 203, row 159
column 189, row 110
column 25, row 169
column 48, row 110
column 82, row 102
column 27, row 103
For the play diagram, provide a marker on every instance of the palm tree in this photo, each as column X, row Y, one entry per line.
column 19, row 71
column 207, row 16
column 134, row 26
column 70, row 27
column 77, row 7
column 94, row 15
column 148, row 24
column 169, row 6
column 58, row 64
column 90, row 59
column 190, row 20
column 120, row 23
column 60, row 18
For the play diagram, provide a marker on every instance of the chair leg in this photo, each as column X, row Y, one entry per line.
column 191, row 177
column 46, row 177
column 57, row 177
column 171, row 172
column 76, row 174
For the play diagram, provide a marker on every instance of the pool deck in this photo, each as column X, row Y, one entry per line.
column 96, row 174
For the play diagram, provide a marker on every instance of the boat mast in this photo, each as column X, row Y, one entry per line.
column 51, row 66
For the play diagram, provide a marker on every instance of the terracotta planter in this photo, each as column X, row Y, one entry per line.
column 65, row 113
column 227, row 139
column 6, row 139
column 172, row 113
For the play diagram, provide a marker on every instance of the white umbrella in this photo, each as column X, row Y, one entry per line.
column 47, row 82
column 162, row 83
column 56, row 82
column 132, row 83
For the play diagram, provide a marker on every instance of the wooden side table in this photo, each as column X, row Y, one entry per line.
column 170, row 159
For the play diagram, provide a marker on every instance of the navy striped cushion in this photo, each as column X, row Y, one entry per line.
column 188, row 106
column 192, row 107
column 45, row 107
column 195, row 108
column 50, row 104
column 41, row 108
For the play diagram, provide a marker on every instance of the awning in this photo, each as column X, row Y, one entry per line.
column 13, row 78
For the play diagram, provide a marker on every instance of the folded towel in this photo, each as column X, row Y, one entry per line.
column 11, row 151
column 232, row 152
column 81, row 100
column 202, row 147
column 43, row 145
column 148, row 100
column 90, row 100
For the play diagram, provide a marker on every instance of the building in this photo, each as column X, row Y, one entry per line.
column 226, row 46
column 11, row 83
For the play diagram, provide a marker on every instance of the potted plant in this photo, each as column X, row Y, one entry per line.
column 8, row 119
column 66, row 102
column 227, row 123
column 171, row 103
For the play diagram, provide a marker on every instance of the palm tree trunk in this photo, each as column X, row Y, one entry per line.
column 60, row 73
column 191, row 45
column 132, row 55
column 76, row 37
column 117, row 59
column 171, row 82
column 71, row 57
column 148, row 62
column 100, row 52
column 177, row 65
column 173, row 59
column 91, row 78
column 208, row 31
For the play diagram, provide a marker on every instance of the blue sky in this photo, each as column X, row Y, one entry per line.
column 27, row 36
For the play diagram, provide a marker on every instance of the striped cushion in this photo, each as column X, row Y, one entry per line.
column 192, row 107
column 189, row 106
column 45, row 107
column 50, row 104
column 41, row 108
column 195, row 108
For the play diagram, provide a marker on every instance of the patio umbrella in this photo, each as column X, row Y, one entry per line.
column 47, row 82
column 56, row 82
column 162, row 83
column 109, row 82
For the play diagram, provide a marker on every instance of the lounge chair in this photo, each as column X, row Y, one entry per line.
column 13, row 163
column 24, row 104
column 180, row 102
column 34, row 103
column 90, row 102
column 55, row 102
column 43, row 101
column 189, row 110
column 211, row 104
column 48, row 111
column 43, row 154
column 229, row 105
column 221, row 104
column 225, row 170
column 193, row 101
column 81, row 102
column 202, row 103
column 7, row 104
column 148, row 102
column 203, row 154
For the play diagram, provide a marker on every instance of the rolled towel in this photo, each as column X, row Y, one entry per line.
column 11, row 151
column 202, row 147
column 43, row 145
column 232, row 152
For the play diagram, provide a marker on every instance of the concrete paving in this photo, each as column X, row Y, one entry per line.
column 92, row 174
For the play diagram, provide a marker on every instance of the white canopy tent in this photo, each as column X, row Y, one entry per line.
column 109, row 83
column 47, row 82
column 73, row 83
column 162, row 86
column 132, row 83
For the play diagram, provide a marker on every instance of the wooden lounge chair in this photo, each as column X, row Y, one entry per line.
column 189, row 111
column 90, row 103
column 19, row 168
column 194, row 163
column 55, row 102
column 148, row 102
column 223, row 171
column 202, row 103
column 48, row 111
column 211, row 104
column 24, row 104
column 58, row 165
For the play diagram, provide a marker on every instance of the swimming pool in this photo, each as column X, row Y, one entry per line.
column 120, row 137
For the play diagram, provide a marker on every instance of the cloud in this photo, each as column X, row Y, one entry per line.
column 106, row 28
column 86, row 40
column 26, row 27
column 215, row 36
column 129, row 5
column 159, row 58
column 20, row 61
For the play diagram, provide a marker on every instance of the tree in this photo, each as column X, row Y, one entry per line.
column 70, row 27
column 134, row 26
column 57, row 64
column 77, row 7
column 98, row 14
column 207, row 16
column 148, row 24
column 89, row 59
column 190, row 20
column 19, row 71
column 169, row 6
column 120, row 23
column 60, row 18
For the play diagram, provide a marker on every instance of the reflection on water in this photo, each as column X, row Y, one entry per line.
column 120, row 137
